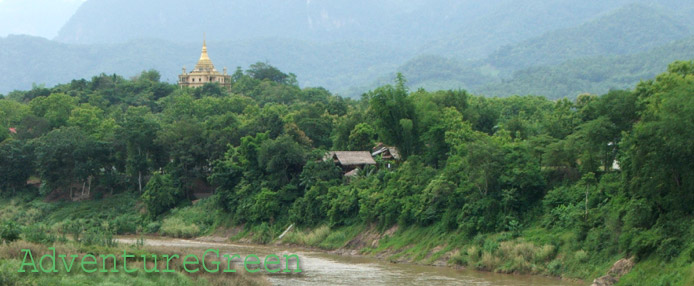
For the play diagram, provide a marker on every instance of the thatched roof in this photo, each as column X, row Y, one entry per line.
column 351, row 158
column 387, row 152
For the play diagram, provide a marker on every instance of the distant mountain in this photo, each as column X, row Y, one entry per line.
column 513, row 21
column 337, row 66
column 351, row 46
column 433, row 72
column 464, row 29
column 631, row 29
column 116, row 21
column 595, row 75
column 531, row 66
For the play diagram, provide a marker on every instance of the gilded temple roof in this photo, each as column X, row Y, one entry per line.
column 204, row 63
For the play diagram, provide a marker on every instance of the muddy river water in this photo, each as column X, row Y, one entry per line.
column 320, row 268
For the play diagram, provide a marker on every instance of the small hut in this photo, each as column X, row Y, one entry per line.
column 386, row 152
column 350, row 160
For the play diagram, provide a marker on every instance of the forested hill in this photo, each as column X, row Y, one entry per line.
column 629, row 30
column 515, row 185
column 591, row 75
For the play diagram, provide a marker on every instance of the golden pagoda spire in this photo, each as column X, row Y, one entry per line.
column 204, row 63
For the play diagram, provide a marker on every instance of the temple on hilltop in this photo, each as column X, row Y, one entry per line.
column 204, row 72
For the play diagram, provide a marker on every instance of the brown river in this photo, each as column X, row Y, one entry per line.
column 319, row 268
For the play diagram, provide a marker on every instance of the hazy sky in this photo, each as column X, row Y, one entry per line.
column 41, row 18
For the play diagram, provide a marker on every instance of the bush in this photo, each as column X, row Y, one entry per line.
column 176, row 227
column 554, row 267
column 125, row 224
column 9, row 231
column 38, row 233
column 314, row 238
column 545, row 253
column 317, row 236
column 199, row 214
column 581, row 256
column 74, row 227
column 669, row 248
column 473, row 255
column 160, row 194
column 98, row 236
column 152, row 227
column 263, row 233
column 334, row 240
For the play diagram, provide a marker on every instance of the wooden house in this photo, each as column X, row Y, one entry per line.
column 349, row 161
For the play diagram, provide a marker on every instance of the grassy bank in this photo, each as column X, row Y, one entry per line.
column 534, row 250
column 115, row 215
column 89, row 227
column 12, row 256
column 527, row 252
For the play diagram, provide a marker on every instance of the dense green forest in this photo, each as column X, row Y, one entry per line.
column 580, row 183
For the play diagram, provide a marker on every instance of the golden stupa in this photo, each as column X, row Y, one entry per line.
column 204, row 72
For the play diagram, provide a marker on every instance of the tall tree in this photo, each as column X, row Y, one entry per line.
column 138, row 131
column 16, row 164
column 395, row 116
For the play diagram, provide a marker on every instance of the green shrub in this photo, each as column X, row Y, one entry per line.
column 473, row 255
column 334, row 240
column 317, row 236
column 99, row 236
column 176, row 227
column 669, row 248
column 458, row 258
column 581, row 256
column 9, row 231
column 160, row 194
column 199, row 214
column 125, row 224
column 38, row 233
column 545, row 253
column 554, row 267
column 490, row 246
column 74, row 227
column 320, row 236
column 263, row 233
column 152, row 227
column 294, row 237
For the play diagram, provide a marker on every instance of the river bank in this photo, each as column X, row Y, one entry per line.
column 530, row 251
column 132, row 263
column 320, row 267
column 500, row 253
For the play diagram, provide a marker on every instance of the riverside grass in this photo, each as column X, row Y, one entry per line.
column 422, row 245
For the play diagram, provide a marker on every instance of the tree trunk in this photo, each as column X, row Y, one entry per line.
column 585, row 216
column 139, row 181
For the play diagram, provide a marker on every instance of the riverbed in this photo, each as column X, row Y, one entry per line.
column 319, row 268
